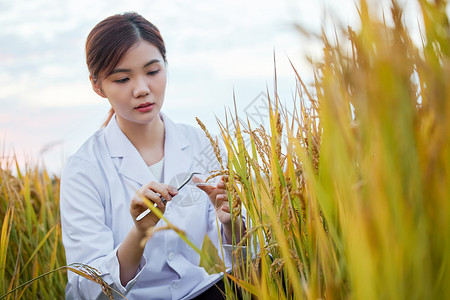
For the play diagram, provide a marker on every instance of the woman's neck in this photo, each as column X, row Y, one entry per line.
column 147, row 138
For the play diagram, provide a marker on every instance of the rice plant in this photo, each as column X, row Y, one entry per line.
column 32, row 260
column 348, row 195
column 30, row 241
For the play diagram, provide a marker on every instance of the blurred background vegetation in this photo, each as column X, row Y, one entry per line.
column 346, row 194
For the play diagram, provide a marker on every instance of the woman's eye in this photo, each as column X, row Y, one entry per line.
column 153, row 72
column 122, row 80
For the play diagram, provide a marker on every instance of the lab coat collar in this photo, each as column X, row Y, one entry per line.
column 178, row 156
column 177, row 153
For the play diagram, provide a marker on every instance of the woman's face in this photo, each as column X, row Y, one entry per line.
column 137, row 85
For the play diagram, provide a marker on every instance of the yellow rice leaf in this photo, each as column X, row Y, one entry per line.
column 41, row 243
column 246, row 285
column 4, row 239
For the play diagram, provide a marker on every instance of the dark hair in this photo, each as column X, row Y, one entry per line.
column 110, row 39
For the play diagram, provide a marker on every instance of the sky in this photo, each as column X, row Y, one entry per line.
column 218, row 52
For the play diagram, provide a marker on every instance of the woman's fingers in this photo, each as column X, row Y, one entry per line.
column 222, row 184
column 222, row 197
column 165, row 190
column 154, row 191
column 170, row 189
column 157, row 193
column 209, row 190
column 206, row 188
column 226, row 207
column 155, row 197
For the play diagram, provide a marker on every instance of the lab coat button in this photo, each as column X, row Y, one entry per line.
column 170, row 256
column 175, row 284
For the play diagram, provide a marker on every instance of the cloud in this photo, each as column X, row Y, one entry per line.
column 212, row 46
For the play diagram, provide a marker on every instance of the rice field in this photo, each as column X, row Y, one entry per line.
column 346, row 195
column 30, row 241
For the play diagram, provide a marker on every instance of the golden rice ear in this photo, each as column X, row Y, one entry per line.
column 214, row 142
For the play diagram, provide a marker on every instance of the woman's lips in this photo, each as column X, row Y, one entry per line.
column 145, row 107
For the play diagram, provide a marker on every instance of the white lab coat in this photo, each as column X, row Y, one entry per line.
column 97, row 185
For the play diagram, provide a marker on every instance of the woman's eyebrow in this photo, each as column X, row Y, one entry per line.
column 129, row 70
column 151, row 62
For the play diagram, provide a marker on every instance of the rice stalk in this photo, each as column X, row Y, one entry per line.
column 350, row 206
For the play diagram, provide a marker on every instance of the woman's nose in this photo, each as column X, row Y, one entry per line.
column 141, row 88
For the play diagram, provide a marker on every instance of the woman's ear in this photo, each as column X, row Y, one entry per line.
column 96, row 86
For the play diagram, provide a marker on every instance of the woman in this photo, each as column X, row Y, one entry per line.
column 135, row 156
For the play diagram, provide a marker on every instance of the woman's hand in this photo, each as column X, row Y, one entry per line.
column 153, row 192
column 218, row 197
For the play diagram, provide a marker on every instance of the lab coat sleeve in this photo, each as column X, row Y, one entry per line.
column 86, row 237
